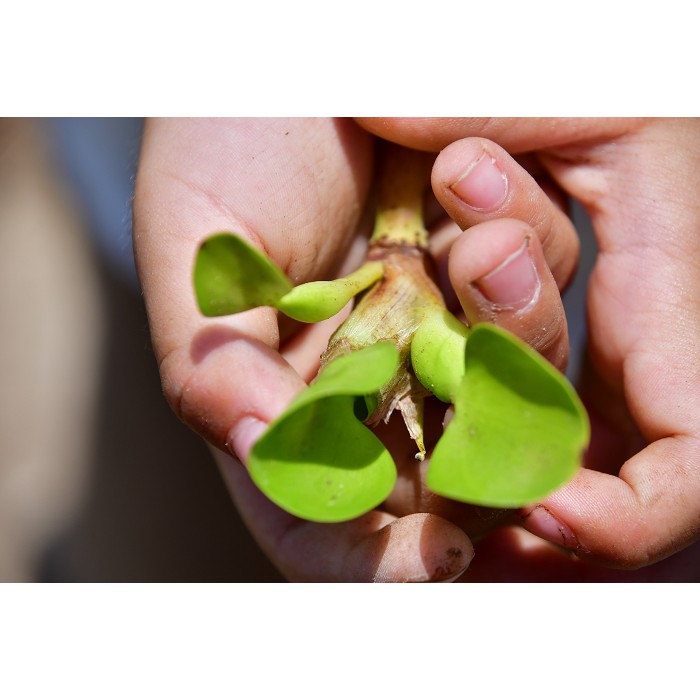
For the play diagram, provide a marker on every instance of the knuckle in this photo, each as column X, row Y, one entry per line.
column 172, row 380
column 551, row 339
column 177, row 382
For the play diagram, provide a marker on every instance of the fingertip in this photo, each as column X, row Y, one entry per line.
column 422, row 548
column 243, row 435
column 499, row 274
column 471, row 172
column 471, row 180
column 483, row 186
column 540, row 521
column 496, row 259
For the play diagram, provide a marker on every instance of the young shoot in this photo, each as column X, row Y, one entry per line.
column 518, row 431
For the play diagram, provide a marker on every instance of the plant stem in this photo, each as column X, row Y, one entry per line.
column 401, row 183
column 392, row 310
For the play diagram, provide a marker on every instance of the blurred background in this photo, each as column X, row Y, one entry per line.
column 98, row 479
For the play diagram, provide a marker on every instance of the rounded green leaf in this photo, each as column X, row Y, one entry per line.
column 231, row 276
column 438, row 353
column 519, row 428
column 317, row 461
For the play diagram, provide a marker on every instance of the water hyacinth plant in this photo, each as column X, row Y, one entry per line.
column 518, row 429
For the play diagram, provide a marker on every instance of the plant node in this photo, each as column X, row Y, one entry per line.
column 393, row 309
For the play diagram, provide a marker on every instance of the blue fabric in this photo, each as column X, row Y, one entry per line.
column 98, row 157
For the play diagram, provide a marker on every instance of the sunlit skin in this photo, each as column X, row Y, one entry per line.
column 518, row 430
column 298, row 190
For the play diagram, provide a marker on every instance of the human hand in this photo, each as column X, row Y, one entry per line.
column 190, row 190
column 637, row 501
column 297, row 189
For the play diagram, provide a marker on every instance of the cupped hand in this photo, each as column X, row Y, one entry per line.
column 298, row 188
column 638, row 501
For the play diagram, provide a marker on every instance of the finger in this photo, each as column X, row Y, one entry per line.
column 475, row 180
column 374, row 548
column 224, row 377
column 646, row 514
column 499, row 274
column 512, row 555
column 517, row 134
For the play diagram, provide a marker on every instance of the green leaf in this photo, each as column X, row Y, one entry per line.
column 518, row 431
column 231, row 276
column 317, row 461
column 316, row 301
column 438, row 354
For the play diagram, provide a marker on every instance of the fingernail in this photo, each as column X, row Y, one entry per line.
column 483, row 185
column 514, row 283
column 540, row 521
column 244, row 435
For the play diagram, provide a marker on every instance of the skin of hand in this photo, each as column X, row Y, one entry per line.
column 505, row 249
